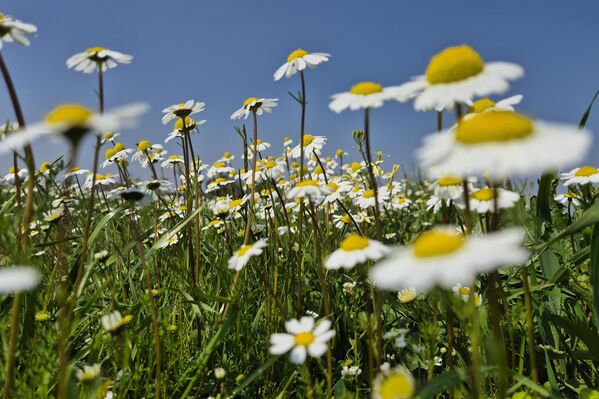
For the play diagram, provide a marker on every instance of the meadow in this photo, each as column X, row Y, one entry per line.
column 293, row 269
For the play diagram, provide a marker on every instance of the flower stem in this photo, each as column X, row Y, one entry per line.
column 12, row 343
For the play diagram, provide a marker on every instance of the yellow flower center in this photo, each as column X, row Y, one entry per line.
column 243, row 250
column 464, row 290
column 436, row 243
column 12, row 170
column 75, row 169
column 118, row 147
column 214, row 223
column 481, row 105
column 227, row 155
column 586, row 171
column 174, row 157
column 304, row 339
column 484, row 194
column 234, row 204
column 143, row 145
column 109, row 153
column 397, row 386
column 45, row 166
column 219, row 180
column 491, row 127
column 2, row 17
column 308, row 183
column 308, row 139
column 407, row 296
column 356, row 166
column 318, row 170
column 250, row 100
column 445, row 181
column 454, row 64
column 296, row 54
column 70, row 114
column 333, row 186
column 570, row 195
column 219, row 165
column 270, row 164
column 108, row 135
column 94, row 50
column 354, row 242
column 368, row 194
column 401, row 200
column 189, row 123
column 366, row 88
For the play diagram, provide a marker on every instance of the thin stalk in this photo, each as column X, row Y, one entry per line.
column 532, row 350
column 12, row 344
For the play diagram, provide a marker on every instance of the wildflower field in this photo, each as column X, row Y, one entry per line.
column 293, row 269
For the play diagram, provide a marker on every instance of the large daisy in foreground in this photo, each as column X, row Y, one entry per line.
column 457, row 75
column 503, row 144
column 18, row 279
column 442, row 257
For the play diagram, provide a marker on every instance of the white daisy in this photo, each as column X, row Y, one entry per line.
column 584, row 175
column 172, row 161
column 366, row 197
column 312, row 189
column 12, row 176
column 448, row 187
column 242, row 256
column 97, row 57
column 182, row 110
column 302, row 338
column 18, row 279
column 355, row 249
column 482, row 200
column 73, row 121
column 312, row 145
column 101, row 180
column 488, row 105
column 443, row 257
column 568, row 198
column 365, row 95
column 393, row 384
column 407, row 295
column 109, row 137
column 400, row 202
column 298, row 60
column 257, row 105
column 502, row 144
column 14, row 30
column 456, row 75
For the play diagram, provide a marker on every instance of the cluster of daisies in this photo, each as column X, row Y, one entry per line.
column 466, row 165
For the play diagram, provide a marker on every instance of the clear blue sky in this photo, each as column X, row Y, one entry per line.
column 221, row 52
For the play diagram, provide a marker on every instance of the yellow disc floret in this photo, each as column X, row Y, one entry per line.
column 586, row 171
column 308, row 183
column 94, row 50
column 249, row 101
column 484, row 194
column 69, row 114
column 490, row 127
column 481, row 105
column 436, row 243
column 366, row 88
column 454, row 64
column 397, row 386
column 304, row 339
column 144, row 145
column 445, row 181
column 296, row 54
column 354, row 242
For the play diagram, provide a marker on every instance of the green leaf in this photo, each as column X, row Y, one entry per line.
column 585, row 116
column 257, row 373
column 594, row 273
column 441, row 383
column 588, row 218
column 588, row 336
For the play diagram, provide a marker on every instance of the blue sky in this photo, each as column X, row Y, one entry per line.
column 221, row 52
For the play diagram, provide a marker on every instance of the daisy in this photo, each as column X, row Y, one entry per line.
column 309, row 188
column 171, row 240
column 312, row 145
column 260, row 146
column 219, row 168
column 302, row 338
column 172, row 161
column 443, row 257
column 12, row 177
column 365, row 95
column 456, row 75
column 407, row 295
column 366, row 198
column 18, row 279
column 257, row 105
column 297, row 61
column 394, row 384
column 97, row 58
column 114, row 322
column 101, row 180
column 178, row 131
column 483, row 199
column 109, row 137
column 488, row 105
column 338, row 191
column 73, row 121
column 140, row 197
column 400, row 202
column 502, row 144
column 583, row 175
column 88, row 373
column 448, row 187
column 14, row 30
column 75, row 171
column 116, row 154
column 241, row 257
column 218, row 183
column 344, row 220
column 182, row 111
column 568, row 199
column 353, row 250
